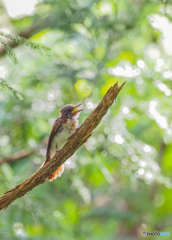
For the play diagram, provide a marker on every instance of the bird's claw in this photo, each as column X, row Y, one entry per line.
column 58, row 151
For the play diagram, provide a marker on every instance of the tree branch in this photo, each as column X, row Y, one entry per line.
column 76, row 140
column 27, row 33
column 17, row 156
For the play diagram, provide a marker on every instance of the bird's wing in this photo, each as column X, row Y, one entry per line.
column 54, row 130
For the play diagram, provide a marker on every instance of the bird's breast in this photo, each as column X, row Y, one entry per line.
column 65, row 132
column 71, row 124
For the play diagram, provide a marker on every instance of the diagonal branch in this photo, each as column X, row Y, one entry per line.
column 78, row 139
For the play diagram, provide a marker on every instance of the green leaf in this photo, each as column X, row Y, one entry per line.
column 7, row 85
column 11, row 53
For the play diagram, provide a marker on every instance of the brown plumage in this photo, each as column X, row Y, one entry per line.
column 62, row 129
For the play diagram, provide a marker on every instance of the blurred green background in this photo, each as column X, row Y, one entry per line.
column 119, row 183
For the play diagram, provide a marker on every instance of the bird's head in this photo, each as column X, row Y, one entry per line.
column 70, row 111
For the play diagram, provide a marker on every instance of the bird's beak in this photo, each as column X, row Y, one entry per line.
column 76, row 110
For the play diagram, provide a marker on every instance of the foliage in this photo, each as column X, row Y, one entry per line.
column 4, row 38
column 8, row 86
column 119, row 183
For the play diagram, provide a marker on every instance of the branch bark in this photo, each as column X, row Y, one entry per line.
column 77, row 139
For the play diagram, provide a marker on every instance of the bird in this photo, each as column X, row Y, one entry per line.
column 63, row 128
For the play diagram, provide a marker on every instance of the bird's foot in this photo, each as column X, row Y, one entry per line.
column 58, row 151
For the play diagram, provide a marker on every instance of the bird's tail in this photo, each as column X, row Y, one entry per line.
column 57, row 173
